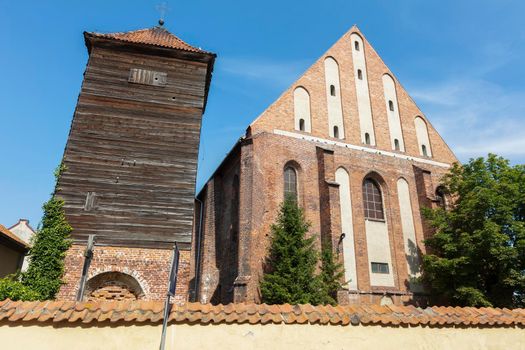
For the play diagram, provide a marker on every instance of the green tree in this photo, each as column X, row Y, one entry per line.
column 43, row 278
column 292, row 261
column 332, row 273
column 46, row 256
column 12, row 288
column 477, row 254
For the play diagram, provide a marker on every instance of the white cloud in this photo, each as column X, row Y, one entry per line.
column 476, row 116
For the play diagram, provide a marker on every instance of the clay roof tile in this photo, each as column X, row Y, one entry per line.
column 136, row 311
column 156, row 36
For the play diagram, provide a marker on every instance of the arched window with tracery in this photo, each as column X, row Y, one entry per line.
column 290, row 183
column 372, row 200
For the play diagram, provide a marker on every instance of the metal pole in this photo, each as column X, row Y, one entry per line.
column 198, row 244
column 88, row 255
column 172, row 286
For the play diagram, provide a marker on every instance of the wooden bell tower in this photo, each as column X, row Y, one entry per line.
column 131, row 158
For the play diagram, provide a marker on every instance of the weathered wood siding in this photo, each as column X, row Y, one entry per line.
column 134, row 147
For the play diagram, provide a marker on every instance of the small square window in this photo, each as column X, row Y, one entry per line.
column 380, row 268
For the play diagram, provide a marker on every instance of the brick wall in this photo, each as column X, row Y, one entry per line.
column 149, row 267
column 215, row 251
column 316, row 163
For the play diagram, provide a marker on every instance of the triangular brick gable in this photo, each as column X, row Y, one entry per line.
column 280, row 115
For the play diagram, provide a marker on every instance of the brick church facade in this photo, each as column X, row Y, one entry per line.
column 361, row 158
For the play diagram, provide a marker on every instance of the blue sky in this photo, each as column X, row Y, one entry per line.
column 462, row 61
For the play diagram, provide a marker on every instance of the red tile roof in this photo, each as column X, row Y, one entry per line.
column 150, row 311
column 5, row 232
column 156, row 36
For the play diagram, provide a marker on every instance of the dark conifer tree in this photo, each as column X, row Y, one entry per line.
column 291, row 265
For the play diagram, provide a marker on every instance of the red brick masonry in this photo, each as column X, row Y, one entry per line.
column 150, row 267
column 151, row 312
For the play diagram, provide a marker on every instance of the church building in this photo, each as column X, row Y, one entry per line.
column 349, row 143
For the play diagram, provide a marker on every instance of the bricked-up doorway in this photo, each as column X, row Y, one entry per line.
column 113, row 286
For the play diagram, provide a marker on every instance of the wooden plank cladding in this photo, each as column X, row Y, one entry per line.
column 131, row 155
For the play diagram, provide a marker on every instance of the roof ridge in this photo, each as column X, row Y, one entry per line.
column 156, row 36
column 6, row 232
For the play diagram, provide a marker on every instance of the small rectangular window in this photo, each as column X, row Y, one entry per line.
column 380, row 268
column 424, row 150
column 396, row 144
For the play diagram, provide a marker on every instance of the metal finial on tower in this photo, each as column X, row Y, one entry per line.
column 162, row 8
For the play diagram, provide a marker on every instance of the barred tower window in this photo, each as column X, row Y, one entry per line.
column 290, row 183
column 372, row 200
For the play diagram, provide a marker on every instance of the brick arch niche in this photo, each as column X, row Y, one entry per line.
column 113, row 286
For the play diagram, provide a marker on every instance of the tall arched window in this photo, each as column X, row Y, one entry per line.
column 301, row 101
column 367, row 138
column 422, row 137
column 356, row 45
column 391, row 105
column 372, row 200
column 332, row 90
column 359, row 74
column 290, row 183
column 336, row 132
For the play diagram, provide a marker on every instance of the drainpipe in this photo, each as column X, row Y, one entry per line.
column 198, row 246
